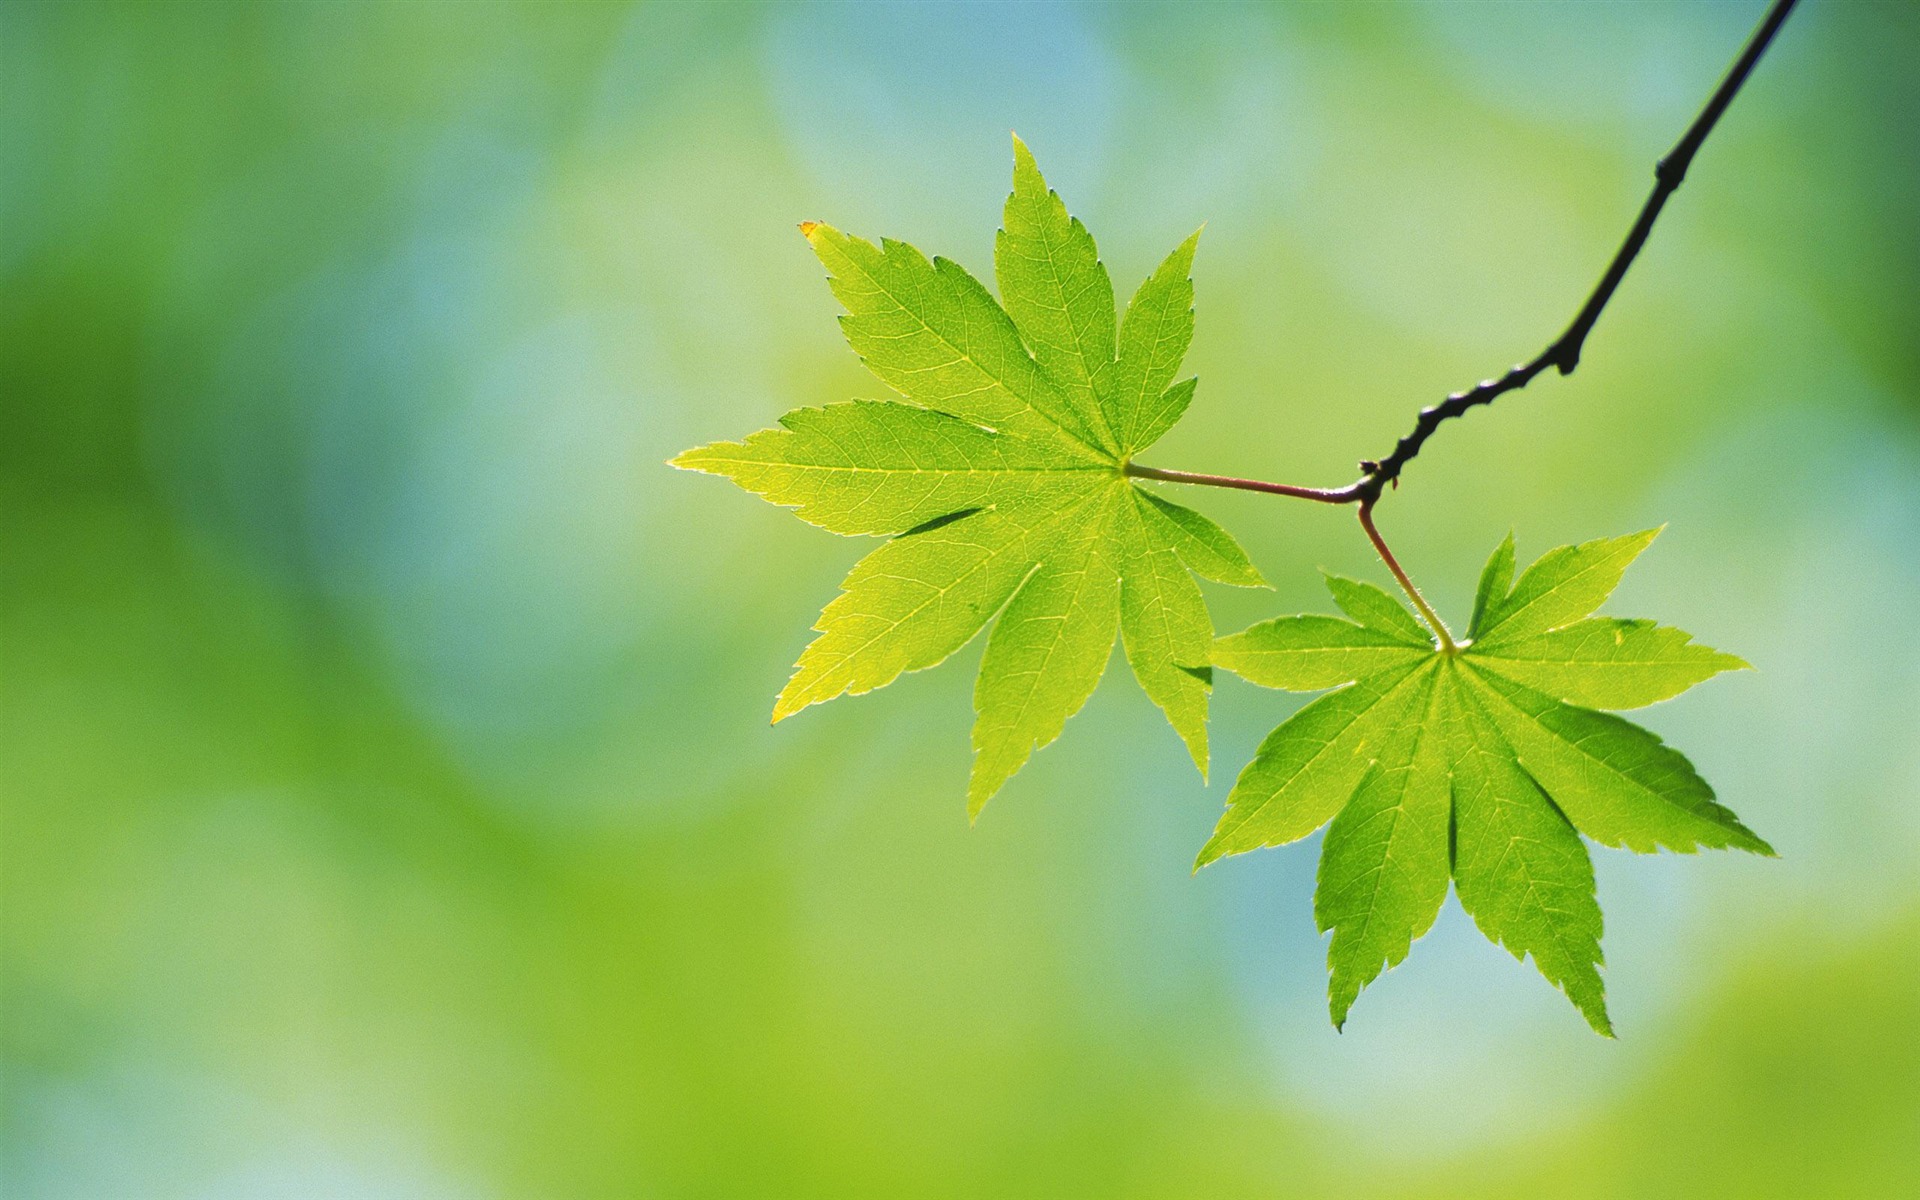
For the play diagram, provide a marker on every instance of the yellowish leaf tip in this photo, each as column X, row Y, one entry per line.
column 807, row 228
column 784, row 705
column 976, row 799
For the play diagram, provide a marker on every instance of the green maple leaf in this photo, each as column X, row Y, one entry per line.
column 1000, row 478
column 1480, row 767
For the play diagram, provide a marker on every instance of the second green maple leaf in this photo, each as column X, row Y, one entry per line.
column 1479, row 765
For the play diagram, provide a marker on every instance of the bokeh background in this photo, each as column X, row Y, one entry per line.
column 390, row 809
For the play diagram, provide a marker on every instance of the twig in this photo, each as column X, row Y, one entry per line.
column 1563, row 354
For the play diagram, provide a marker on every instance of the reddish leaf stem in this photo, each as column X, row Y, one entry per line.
column 1432, row 618
column 1324, row 495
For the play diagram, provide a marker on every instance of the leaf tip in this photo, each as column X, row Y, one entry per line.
column 700, row 459
column 1181, row 260
column 1597, row 1017
column 807, row 229
column 979, row 791
column 1025, row 168
column 1209, row 854
column 1337, row 1012
column 786, row 704
column 1201, row 759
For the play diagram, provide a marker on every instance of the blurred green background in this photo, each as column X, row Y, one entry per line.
column 390, row 809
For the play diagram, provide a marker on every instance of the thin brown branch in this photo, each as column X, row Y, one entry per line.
column 1564, row 353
